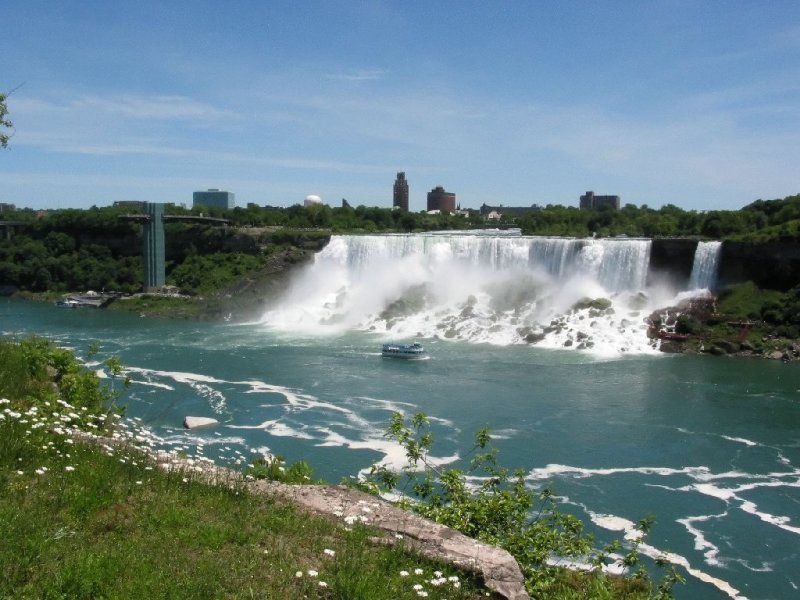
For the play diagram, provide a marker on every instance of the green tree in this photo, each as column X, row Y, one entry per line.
column 5, row 122
column 58, row 243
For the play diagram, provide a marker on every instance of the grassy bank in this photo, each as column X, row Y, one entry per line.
column 85, row 521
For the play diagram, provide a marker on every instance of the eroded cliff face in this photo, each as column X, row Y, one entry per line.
column 671, row 261
column 771, row 265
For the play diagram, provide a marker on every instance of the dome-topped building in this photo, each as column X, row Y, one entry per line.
column 311, row 200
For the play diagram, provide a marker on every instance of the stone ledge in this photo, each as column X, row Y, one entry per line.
column 498, row 569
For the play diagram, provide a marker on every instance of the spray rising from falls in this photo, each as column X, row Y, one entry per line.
column 501, row 289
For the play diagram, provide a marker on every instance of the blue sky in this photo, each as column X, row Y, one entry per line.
column 685, row 102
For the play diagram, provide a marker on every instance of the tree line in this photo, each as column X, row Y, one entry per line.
column 762, row 220
column 76, row 249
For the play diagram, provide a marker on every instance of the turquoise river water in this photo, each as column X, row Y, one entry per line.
column 710, row 446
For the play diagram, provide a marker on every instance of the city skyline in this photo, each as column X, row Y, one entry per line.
column 514, row 103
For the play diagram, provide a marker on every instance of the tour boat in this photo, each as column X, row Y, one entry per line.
column 67, row 303
column 407, row 351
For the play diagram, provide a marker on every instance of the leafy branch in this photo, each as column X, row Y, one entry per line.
column 495, row 505
column 5, row 122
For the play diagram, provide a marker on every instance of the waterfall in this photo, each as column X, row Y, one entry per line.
column 497, row 288
column 705, row 266
column 617, row 265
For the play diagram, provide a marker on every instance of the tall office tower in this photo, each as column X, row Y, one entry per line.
column 400, row 192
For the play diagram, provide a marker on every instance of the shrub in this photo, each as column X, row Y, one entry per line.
column 274, row 468
column 493, row 504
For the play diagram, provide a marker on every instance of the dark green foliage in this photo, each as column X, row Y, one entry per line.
column 72, row 250
column 784, row 311
column 746, row 301
column 201, row 274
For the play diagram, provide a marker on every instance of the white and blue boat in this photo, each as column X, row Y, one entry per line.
column 407, row 351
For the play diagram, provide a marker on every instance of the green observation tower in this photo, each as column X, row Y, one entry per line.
column 152, row 220
column 153, row 247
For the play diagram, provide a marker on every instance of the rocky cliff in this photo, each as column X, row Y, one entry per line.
column 772, row 265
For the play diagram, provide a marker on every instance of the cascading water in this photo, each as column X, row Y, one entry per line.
column 501, row 289
column 705, row 266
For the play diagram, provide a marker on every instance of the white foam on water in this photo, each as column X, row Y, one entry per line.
column 701, row 544
column 615, row 568
column 682, row 561
column 394, row 455
column 764, row 568
column 704, row 485
column 731, row 495
column 632, row 534
column 707, row 483
column 552, row 470
column 216, row 399
column 782, row 522
column 177, row 376
column 388, row 405
column 744, row 441
column 615, row 523
column 162, row 386
column 295, row 399
column 199, row 383
column 369, row 436
column 277, row 428
column 709, row 489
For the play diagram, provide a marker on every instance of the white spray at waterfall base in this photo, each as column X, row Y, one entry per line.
column 580, row 294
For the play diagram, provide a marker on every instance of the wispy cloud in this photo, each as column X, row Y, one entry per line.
column 359, row 75
column 154, row 107
column 130, row 106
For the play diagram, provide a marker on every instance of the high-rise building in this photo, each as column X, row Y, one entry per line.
column 440, row 200
column 589, row 200
column 214, row 198
column 400, row 199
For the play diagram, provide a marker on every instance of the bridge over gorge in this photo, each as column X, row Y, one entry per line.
column 152, row 221
column 8, row 227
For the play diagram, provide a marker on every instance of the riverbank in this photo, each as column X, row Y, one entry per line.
column 245, row 298
column 74, row 514
column 79, row 510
